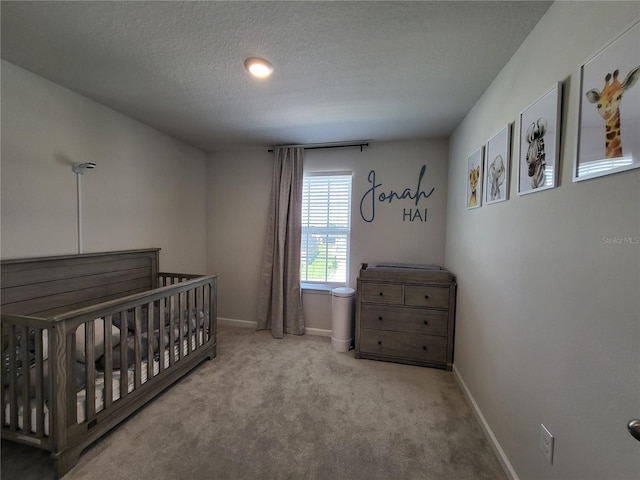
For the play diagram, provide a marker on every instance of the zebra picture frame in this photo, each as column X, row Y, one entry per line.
column 540, row 143
column 498, row 160
column 609, row 108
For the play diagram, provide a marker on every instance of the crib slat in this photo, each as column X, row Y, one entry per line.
column 207, row 313
column 150, row 330
column 172, row 333
column 5, row 372
column 211, row 309
column 196, row 316
column 181, row 305
column 137, row 348
column 197, row 304
column 180, row 338
column 185, row 331
column 213, row 318
column 71, row 400
column 26, row 371
column 161, row 333
column 90, row 371
column 50, row 392
column 201, row 308
column 190, row 314
column 108, row 362
column 39, row 369
column 207, row 310
column 124, row 368
column 13, row 394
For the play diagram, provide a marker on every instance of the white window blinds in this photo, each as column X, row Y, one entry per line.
column 326, row 222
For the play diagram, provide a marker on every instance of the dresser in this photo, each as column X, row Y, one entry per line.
column 406, row 314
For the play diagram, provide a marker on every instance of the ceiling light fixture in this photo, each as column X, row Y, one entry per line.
column 258, row 67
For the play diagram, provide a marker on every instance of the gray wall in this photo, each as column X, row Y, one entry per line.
column 548, row 318
column 239, row 189
column 239, row 198
column 149, row 190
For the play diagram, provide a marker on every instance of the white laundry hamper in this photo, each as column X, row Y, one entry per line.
column 342, row 318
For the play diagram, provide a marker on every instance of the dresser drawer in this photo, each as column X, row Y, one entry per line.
column 427, row 348
column 402, row 319
column 390, row 294
column 426, row 296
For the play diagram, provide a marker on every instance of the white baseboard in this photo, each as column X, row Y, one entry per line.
column 493, row 441
column 321, row 332
column 233, row 322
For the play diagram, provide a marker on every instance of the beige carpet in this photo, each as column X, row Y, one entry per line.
column 288, row 409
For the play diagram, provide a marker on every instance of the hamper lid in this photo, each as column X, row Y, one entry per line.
column 342, row 292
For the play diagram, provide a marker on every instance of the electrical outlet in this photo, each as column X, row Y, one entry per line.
column 546, row 443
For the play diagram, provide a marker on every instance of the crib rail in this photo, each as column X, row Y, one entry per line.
column 131, row 349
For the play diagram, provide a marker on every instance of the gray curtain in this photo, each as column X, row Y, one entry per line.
column 280, row 303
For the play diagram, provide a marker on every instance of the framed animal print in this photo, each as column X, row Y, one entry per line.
column 474, row 179
column 540, row 143
column 609, row 119
column 498, row 158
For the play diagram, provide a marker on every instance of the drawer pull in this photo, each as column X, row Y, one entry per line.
column 427, row 297
column 379, row 342
column 426, row 323
column 424, row 347
column 381, row 294
column 380, row 318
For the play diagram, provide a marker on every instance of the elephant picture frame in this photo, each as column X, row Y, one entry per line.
column 497, row 169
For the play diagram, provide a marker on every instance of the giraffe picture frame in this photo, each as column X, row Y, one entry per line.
column 474, row 178
column 609, row 116
column 539, row 155
column 498, row 161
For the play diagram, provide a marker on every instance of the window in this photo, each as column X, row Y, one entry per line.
column 326, row 223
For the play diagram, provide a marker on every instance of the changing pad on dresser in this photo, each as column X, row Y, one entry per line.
column 405, row 272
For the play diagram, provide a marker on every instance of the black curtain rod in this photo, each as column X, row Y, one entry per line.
column 361, row 145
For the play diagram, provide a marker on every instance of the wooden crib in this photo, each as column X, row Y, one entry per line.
column 104, row 326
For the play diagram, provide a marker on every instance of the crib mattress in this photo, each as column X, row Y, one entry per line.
column 81, row 396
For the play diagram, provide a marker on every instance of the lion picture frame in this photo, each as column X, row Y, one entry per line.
column 475, row 178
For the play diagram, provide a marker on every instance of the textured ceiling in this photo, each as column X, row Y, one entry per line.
column 343, row 70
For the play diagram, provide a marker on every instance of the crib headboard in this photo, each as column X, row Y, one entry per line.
column 45, row 286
